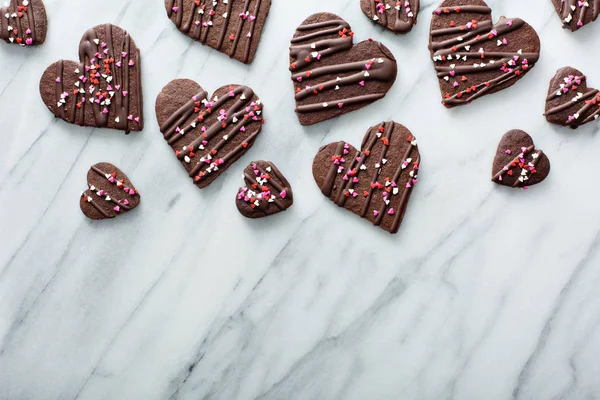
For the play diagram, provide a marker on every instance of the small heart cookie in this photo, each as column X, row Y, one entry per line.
column 23, row 22
column 398, row 16
column 518, row 163
column 267, row 192
column 103, row 89
column 110, row 193
column 570, row 102
column 208, row 134
column 575, row 14
column 375, row 182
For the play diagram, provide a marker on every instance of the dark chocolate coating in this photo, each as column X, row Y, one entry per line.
column 267, row 191
column 23, row 19
column 222, row 26
column 473, row 57
column 331, row 76
column 116, row 82
column 585, row 12
column 110, row 193
column 570, row 102
column 518, row 163
column 388, row 163
column 216, row 133
column 394, row 15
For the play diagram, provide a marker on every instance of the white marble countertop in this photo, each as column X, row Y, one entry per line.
column 486, row 292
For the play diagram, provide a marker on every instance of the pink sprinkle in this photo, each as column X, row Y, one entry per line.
column 131, row 192
column 508, row 151
column 131, row 63
column 117, row 208
column 391, row 212
column 340, row 105
column 58, row 80
column 283, row 194
column 130, row 117
column 29, row 41
column 355, row 180
column 354, row 194
column 375, row 212
column 252, row 18
column 28, row 31
column 125, row 93
column 126, row 202
column 175, row 9
column 361, row 83
column 105, row 111
column 137, row 119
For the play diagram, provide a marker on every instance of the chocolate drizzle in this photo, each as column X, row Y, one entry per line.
column 18, row 23
column 403, row 13
column 101, row 81
column 208, row 21
column 376, row 181
column 570, row 102
column 576, row 13
column 326, row 42
column 474, row 57
column 267, row 192
column 208, row 135
column 109, row 192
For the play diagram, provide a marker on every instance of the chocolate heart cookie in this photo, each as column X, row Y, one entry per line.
column 518, row 163
column 103, row 89
column 267, row 192
column 375, row 182
column 398, row 16
column 332, row 76
column 232, row 27
column 570, row 102
column 577, row 13
column 474, row 57
column 23, row 22
column 110, row 193
column 208, row 134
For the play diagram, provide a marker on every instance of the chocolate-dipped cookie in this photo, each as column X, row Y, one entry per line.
column 331, row 75
column 375, row 182
column 473, row 56
column 23, row 22
column 267, row 192
column 574, row 14
column 110, row 193
column 208, row 133
column 518, row 163
column 232, row 27
column 103, row 89
column 570, row 102
column 398, row 16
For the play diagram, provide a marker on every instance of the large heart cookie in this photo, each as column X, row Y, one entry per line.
column 577, row 13
column 103, row 89
column 331, row 75
column 233, row 27
column 267, row 192
column 398, row 16
column 570, row 102
column 474, row 57
column 208, row 134
column 518, row 163
column 23, row 22
column 375, row 182
column 110, row 193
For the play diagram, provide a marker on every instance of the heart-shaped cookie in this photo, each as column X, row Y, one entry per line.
column 375, row 182
column 208, row 134
column 103, row 89
column 331, row 75
column 570, row 102
column 398, row 16
column 577, row 13
column 267, row 192
column 23, row 22
column 518, row 163
column 232, row 27
column 110, row 193
column 474, row 57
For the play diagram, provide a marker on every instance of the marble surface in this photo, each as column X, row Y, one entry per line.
column 486, row 292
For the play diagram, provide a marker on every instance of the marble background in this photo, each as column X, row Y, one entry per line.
column 486, row 292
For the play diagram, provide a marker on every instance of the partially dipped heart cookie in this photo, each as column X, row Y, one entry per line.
column 518, row 163
column 267, row 191
column 23, row 22
column 473, row 56
column 375, row 182
column 577, row 13
column 570, row 101
column 398, row 16
column 331, row 75
column 232, row 27
column 110, row 193
column 104, row 88
column 208, row 133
